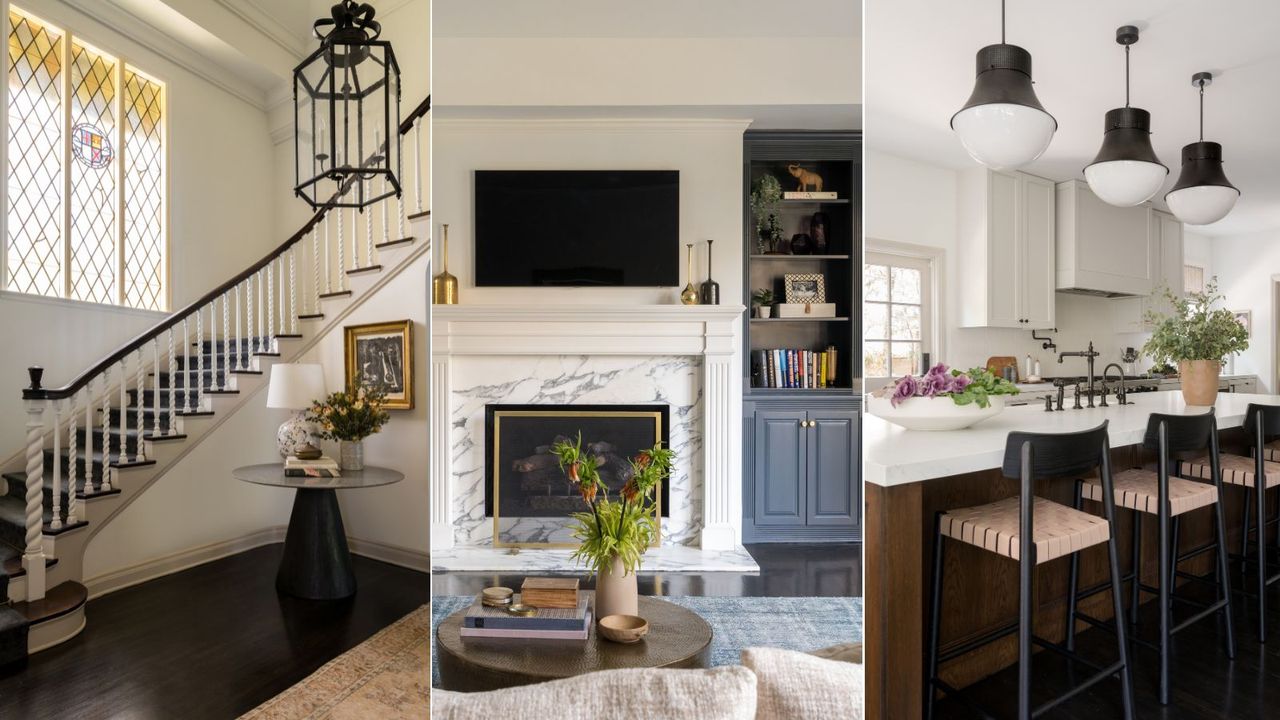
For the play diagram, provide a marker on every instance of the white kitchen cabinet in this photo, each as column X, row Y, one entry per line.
column 1101, row 249
column 1005, row 255
column 1165, row 262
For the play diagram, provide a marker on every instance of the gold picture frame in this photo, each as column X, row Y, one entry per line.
column 804, row 288
column 389, row 346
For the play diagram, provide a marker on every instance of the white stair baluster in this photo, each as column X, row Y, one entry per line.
column 355, row 243
column 104, row 480
column 417, row 162
column 328, row 273
column 88, row 435
column 271, row 305
column 186, row 370
column 122, row 455
column 155, row 384
column 141, row 384
column 33, row 553
column 240, row 365
column 293, row 292
column 261, row 343
column 368, row 236
column 56, row 524
column 199, row 384
column 315, row 267
column 342, row 263
column 72, row 440
column 386, row 202
column 227, row 366
column 400, row 215
column 282, row 328
column 252, row 345
column 173, row 390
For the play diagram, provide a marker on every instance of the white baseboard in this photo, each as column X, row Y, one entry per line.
column 184, row 559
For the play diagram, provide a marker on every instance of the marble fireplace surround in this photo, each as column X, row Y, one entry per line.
column 705, row 336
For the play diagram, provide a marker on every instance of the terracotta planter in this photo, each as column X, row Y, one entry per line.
column 1199, row 381
column 616, row 592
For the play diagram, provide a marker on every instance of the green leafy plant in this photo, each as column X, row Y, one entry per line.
column 762, row 296
column 974, row 387
column 766, row 193
column 1192, row 329
column 353, row 415
column 623, row 528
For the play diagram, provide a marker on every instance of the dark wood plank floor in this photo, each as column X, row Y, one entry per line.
column 211, row 642
column 1206, row 685
column 786, row 570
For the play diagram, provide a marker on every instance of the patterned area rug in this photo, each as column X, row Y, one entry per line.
column 792, row 623
column 381, row 677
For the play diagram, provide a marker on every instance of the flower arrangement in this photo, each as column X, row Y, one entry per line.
column 351, row 416
column 622, row 528
column 975, row 386
column 1192, row 329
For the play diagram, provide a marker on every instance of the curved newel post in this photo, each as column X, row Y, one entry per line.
column 33, row 549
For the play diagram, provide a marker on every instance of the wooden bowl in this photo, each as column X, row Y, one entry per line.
column 623, row 628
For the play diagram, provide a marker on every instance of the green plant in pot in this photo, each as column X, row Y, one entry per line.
column 349, row 417
column 614, row 533
column 766, row 193
column 1196, row 337
column 762, row 299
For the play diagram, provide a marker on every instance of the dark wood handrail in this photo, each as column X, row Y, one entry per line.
column 35, row 392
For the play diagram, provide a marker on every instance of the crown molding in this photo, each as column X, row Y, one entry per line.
column 135, row 28
column 601, row 125
column 264, row 23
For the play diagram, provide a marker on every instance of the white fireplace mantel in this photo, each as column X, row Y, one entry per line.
column 705, row 331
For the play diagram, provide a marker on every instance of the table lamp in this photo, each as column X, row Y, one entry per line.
column 294, row 386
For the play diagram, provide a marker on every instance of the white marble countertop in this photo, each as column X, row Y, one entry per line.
column 894, row 456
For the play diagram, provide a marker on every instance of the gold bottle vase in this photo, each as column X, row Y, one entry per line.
column 690, row 294
column 444, row 286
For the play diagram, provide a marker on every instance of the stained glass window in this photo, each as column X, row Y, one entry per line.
column 86, row 178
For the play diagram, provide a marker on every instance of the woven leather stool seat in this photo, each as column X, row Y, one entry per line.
column 1236, row 470
column 1059, row 530
column 1139, row 490
column 1271, row 451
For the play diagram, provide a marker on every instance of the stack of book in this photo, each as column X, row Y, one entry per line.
column 322, row 467
column 795, row 368
column 482, row 621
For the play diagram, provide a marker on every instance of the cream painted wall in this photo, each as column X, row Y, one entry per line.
column 908, row 201
column 1245, row 266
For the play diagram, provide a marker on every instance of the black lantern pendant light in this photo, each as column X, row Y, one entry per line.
column 1003, row 125
column 346, row 99
column 1126, row 171
column 1202, row 194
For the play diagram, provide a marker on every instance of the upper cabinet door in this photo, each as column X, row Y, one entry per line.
column 1003, row 251
column 1037, row 271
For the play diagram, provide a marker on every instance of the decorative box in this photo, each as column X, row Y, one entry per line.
column 791, row 310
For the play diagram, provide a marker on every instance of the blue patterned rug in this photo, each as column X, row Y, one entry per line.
column 793, row 623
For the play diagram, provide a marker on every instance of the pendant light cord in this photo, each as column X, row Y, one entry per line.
column 1126, row 76
column 1002, row 22
column 1201, row 111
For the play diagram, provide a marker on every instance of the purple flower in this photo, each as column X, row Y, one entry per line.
column 959, row 383
column 907, row 387
column 939, row 369
column 936, row 383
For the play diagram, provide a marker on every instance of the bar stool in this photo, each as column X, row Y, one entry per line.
column 1033, row 530
column 1168, row 497
column 1256, row 475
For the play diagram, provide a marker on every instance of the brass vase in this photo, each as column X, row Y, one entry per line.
column 689, row 296
column 444, row 286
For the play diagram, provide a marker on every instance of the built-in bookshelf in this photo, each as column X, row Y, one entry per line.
column 836, row 158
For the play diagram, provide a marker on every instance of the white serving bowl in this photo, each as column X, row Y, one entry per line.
column 933, row 414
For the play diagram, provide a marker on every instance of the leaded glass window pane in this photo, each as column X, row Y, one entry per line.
column 34, row 256
column 94, row 257
column 144, row 246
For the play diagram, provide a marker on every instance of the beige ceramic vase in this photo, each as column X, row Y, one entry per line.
column 616, row 592
column 1199, row 381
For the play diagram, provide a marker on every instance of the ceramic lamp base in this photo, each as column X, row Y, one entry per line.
column 294, row 434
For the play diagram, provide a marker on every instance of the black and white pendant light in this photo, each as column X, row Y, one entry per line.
column 1003, row 125
column 1126, row 171
column 1202, row 194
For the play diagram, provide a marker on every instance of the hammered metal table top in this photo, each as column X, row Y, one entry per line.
column 677, row 637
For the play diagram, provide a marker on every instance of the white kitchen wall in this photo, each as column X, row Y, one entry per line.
column 1245, row 266
column 908, row 201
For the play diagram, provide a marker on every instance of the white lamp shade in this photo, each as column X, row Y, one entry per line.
column 1004, row 135
column 295, row 385
column 1125, row 183
column 1202, row 204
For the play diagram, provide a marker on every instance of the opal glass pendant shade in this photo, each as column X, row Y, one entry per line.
column 1003, row 125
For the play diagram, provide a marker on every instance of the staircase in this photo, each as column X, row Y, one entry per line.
column 97, row 443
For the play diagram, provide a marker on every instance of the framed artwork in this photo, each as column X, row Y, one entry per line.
column 804, row 288
column 381, row 355
column 1245, row 318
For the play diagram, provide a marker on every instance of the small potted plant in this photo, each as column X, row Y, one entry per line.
column 1196, row 337
column 349, row 417
column 614, row 534
column 766, row 192
column 941, row 399
column 762, row 301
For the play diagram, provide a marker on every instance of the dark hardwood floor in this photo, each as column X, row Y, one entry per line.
column 211, row 642
column 786, row 570
column 1205, row 684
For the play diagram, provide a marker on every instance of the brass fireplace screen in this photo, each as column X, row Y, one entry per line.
column 526, row 487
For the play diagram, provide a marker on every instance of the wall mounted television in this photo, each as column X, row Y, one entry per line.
column 577, row 228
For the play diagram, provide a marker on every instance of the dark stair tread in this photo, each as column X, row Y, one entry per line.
column 335, row 294
column 365, row 269
column 311, row 316
column 424, row 213
column 164, row 438
column 13, row 563
column 59, row 600
column 289, row 336
column 394, row 243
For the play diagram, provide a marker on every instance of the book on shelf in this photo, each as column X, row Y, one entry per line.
column 321, row 467
column 808, row 195
column 794, row 368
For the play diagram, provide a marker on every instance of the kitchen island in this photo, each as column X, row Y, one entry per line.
column 912, row 475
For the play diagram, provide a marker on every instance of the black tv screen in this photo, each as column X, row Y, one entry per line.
column 577, row 228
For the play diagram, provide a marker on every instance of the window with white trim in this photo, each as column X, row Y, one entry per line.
column 1192, row 278
column 85, row 211
column 897, row 317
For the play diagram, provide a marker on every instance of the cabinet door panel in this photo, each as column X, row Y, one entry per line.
column 1003, row 259
column 833, row 466
column 1037, row 270
column 780, row 468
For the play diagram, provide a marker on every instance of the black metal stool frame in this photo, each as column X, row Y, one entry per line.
column 1190, row 433
column 1262, row 422
column 1063, row 461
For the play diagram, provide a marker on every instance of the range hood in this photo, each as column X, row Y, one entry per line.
column 1093, row 292
column 1101, row 250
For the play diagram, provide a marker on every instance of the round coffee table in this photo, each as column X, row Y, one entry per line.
column 677, row 638
column 316, row 563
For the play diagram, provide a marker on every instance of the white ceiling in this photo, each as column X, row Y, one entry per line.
column 649, row 18
column 919, row 67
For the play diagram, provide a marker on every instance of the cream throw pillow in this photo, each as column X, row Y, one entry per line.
column 723, row 693
column 798, row 686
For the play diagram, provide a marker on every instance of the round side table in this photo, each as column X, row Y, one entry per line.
column 677, row 638
column 317, row 562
